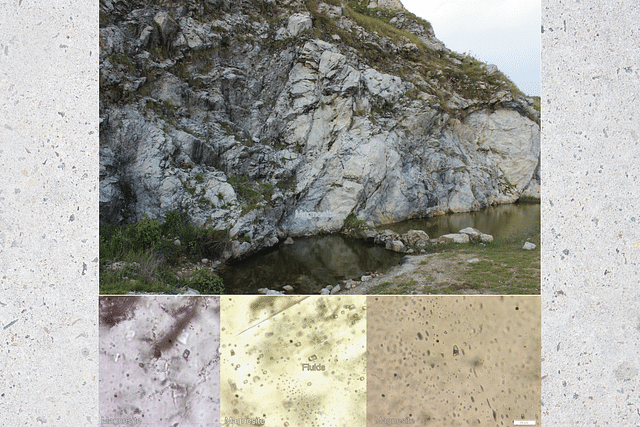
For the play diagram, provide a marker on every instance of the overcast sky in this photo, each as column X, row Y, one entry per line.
column 501, row 32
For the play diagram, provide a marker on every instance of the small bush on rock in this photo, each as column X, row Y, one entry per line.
column 351, row 221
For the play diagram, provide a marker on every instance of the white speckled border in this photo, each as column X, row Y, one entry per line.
column 49, row 213
column 590, row 215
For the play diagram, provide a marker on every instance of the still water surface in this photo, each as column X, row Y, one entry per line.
column 315, row 262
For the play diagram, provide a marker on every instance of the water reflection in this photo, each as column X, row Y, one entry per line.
column 500, row 221
column 315, row 262
column 308, row 265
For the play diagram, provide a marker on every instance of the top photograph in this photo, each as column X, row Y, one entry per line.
column 308, row 147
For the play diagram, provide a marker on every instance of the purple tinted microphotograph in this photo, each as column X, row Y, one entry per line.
column 159, row 360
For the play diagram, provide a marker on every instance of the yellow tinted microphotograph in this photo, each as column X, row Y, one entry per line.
column 293, row 361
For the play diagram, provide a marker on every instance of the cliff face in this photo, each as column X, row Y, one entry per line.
column 275, row 118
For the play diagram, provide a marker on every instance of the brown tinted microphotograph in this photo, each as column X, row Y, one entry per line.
column 319, row 147
column 159, row 361
column 453, row 360
column 293, row 360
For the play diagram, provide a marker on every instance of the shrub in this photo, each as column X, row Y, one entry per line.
column 206, row 282
column 165, row 276
column 113, row 242
column 287, row 184
column 169, row 251
column 212, row 242
column 177, row 225
column 147, row 233
column 351, row 221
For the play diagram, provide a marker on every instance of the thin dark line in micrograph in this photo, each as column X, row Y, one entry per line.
column 274, row 314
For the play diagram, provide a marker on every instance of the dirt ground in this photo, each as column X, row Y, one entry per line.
column 423, row 274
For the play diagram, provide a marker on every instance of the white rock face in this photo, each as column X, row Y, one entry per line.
column 191, row 33
column 471, row 232
column 385, row 4
column 383, row 85
column 491, row 68
column 396, row 246
column 453, row 238
column 331, row 11
column 167, row 27
column 486, row 238
column 298, row 23
column 417, row 237
column 318, row 133
column 511, row 140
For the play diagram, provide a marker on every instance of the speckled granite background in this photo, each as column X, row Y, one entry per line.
column 49, row 200
column 590, row 213
column 48, row 213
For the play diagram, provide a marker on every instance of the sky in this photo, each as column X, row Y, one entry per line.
column 501, row 32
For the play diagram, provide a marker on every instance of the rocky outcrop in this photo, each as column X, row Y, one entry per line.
column 385, row 4
column 416, row 240
column 284, row 126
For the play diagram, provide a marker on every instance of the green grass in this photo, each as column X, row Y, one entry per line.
column 252, row 193
column 504, row 268
column 288, row 184
column 105, row 19
column 388, row 288
column 114, row 283
column 267, row 190
column 383, row 289
column 536, row 103
column 245, row 238
column 405, row 288
column 150, row 245
column 363, row 17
